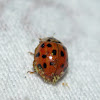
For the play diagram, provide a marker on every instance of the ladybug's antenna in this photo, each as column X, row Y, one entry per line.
column 54, row 34
column 38, row 35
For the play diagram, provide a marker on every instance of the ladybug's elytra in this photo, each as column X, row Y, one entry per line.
column 50, row 59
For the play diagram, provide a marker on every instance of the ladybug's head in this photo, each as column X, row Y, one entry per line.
column 50, row 39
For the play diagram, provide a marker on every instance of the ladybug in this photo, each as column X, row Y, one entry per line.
column 50, row 59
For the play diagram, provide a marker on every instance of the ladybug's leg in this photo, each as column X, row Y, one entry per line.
column 31, row 53
column 40, row 39
column 31, row 72
column 65, row 84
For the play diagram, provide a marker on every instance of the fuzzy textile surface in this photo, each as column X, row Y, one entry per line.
column 76, row 23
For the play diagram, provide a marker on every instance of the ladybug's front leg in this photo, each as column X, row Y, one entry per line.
column 31, row 72
column 31, row 53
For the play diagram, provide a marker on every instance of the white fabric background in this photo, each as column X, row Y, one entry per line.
column 75, row 22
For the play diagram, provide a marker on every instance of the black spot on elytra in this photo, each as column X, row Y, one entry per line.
column 58, row 42
column 62, row 53
column 38, row 54
column 43, row 56
column 49, row 40
column 44, row 65
column 62, row 65
column 39, row 66
column 51, row 63
column 42, row 45
column 49, row 45
column 54, row 52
